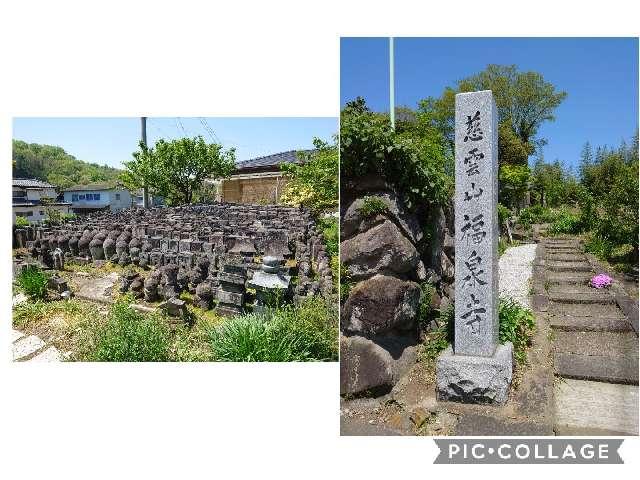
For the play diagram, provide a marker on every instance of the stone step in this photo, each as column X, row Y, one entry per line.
column 585, row 310
column 596, row 367
column 594, row 408
column 560, row 244
column 621, row 344
column 555, row 250
column 571, row 323
column 25, row 347
column 580, row 297
column 601, row 356
column 569, row 279
column 568, row 266
column 565, row 257
column 578, row 289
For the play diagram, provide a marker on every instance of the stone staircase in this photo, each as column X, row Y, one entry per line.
column 595, row 348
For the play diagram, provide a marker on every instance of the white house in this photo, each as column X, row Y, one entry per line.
column 154, row 201
column 32, row 197
column 90, row 198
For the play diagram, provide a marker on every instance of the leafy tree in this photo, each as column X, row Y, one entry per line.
column 514, row 183
column 176, row 169
column 553, row 183
column 21, row 222
column 524, row 101
column 412, row 158
column 314, row 182
column 52, row 164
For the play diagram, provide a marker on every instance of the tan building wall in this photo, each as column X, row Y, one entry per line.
column 260, row 190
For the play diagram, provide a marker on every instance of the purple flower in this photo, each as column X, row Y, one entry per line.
column 601, row 280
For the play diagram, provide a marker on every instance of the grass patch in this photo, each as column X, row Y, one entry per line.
column 372, row 206
column 33, row 282
column 287, row 334
column 106, row 268
column 517, row 325
column 440, row 338
column 330, row 231
column 128, row 336
column 424, row 308
column 566, row 223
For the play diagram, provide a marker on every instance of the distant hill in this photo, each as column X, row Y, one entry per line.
column 52, row 164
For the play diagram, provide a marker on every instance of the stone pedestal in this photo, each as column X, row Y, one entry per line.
column 476, row 369
column 475, row 379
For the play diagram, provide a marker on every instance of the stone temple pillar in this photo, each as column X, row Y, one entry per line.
column 477, row 369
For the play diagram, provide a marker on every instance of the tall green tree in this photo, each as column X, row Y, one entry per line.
column 524, row 101
column 313, row 183
column 176, row 169
column 54, row 165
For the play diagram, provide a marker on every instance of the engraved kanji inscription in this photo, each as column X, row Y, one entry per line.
column 474, row 317
column 474, row 132
column 474, row 193
column 475, row 276
column 473, row 228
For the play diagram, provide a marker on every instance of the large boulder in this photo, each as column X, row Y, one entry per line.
column 366, row 364
column 380, row 304
column 353, row 221
column 382, row 249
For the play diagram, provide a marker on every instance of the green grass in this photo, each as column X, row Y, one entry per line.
column 372, row 206
column 517, row 325
column 424, row 308
column 288, row 334
column 128, row 336
column 566, row 222
column 33, row 282
column 440, row 338
column 330, row 231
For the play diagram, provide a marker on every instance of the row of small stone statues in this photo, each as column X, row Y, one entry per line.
column 210, row 271
column 203, row 220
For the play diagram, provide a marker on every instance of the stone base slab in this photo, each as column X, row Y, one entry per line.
column 473, row 379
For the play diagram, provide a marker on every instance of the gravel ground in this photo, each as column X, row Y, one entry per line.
column 516, row 266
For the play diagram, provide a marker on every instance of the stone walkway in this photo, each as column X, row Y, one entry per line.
column 595, row 348
column 516, row 266
column 31, row 348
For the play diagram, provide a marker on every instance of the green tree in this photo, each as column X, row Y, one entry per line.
column 52, row 164
column 514, row 182
column 412, row 158
column 176, row 169
column 524, row 101
column 314, row 182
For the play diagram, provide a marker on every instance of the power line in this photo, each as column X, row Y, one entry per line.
column 206, row 126
column 182, row 126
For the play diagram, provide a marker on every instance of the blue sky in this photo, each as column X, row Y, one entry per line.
column 111, row 141
column 600, row 76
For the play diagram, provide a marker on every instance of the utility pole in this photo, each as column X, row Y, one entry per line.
column 392, row 93
column 143, row 135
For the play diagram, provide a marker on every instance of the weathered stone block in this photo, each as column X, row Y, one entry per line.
column 474, row 379
column 380, row 304
column 382, row 249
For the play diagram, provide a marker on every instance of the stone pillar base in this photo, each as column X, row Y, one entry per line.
column 472, row 379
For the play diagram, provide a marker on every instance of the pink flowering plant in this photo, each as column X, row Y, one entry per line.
column 601, row 281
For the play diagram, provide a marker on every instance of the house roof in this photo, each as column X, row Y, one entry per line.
column 31, row 183
column 269, row 162
column 91, row 187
